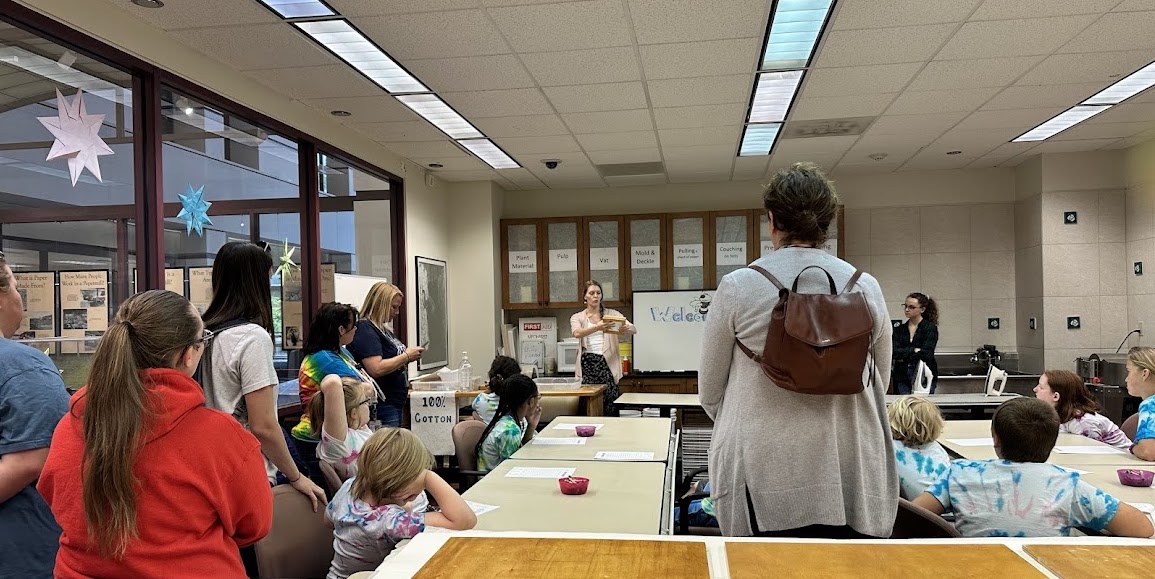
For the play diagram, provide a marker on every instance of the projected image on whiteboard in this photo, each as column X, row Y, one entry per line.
column 670, row 327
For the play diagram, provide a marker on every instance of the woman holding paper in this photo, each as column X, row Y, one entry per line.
column 597, row 330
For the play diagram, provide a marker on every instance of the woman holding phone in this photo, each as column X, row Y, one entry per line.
column 381, row 353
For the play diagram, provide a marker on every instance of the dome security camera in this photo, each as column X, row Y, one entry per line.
column 551, row 163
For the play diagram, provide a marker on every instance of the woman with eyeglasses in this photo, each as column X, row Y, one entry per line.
column 237, row 371
column 143, row 479
column 915, row 341
column 332, row 329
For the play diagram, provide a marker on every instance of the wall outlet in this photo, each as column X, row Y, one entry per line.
column 1070, row 217
column 1073, row 323
column 992, row 323
column 1138, row 268
column 1032, row 324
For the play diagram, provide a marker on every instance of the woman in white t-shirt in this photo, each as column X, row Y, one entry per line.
column 340, row 418
column 237, row 371
column 1078, row 411
column 598, row 359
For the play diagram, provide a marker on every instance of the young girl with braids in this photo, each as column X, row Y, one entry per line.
column 514, row 423
column 485, row 404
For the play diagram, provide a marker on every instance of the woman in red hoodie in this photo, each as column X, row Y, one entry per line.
column 142, row 478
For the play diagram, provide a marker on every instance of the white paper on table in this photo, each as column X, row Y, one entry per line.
column 1087, row 450
column 1069, row 469
column 558, row 441
column 621, row 455
column 538, row 472
column 481, row 508
column 568, row 426
column 972, row 441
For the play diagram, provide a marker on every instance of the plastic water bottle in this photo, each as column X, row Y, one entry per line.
column 465, row 373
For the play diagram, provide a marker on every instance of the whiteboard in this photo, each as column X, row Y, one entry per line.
column 352, row 289
column 670, row 327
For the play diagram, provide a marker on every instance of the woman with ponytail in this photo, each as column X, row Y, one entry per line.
column 513, row 425
column 485, row 404
column 143, row 479
column 915, row 341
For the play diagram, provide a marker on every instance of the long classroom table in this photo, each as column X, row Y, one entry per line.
column 590, row 397
column 652, row 435
column 476, row 554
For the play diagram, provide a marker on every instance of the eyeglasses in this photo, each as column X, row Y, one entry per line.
column 368, row 401
column 910, row 307
column 206, row 337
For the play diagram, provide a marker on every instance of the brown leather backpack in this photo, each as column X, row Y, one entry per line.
column 816, row 343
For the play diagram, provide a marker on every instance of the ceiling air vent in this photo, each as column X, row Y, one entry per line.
column 826, row 127
column 626, row 169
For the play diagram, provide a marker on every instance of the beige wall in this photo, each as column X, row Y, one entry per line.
column 474, row 287
column 1140, row 204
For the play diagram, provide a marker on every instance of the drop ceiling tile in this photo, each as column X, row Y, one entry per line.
column 1013, row 118
column 453, row 164
column 922, row 124
column 840, row 107
column 202, row 14
column 869, row 168
column 1041, row 96
column 618, row 141
column 315, row 82
column 708, row 177
column 1012, row 9
column 572, row 164
column 895, row 148
column 1099, row 130
column 825, row 146
column 564, row 26
column 372, row 109
column 1009, row 150
column 370, row 8
column 1004, row 38
column 434, row 34
column 699, row 116
column 526, row 126
column 609, row 121
column 874, row 79
column 255, row 47
column 882, row 45
column 707, row 153
column 471, row 73
column 700, row 136
column 617, row 96
column 499, row 103
column 708, row 90
column 1086, row 68
column 1129, row 113
column 402, row 131
column 1116, row 31
column 854, row 14
column 750, row 168
column 661, row 21
column 1072, row 146
column 940, row 101
column 782, row 159
column 701, row 165
column 635, row 180
column 575, row 183
column 629, row 156
column 443, row 149
column 956, row 74
column 692, row 59
column 572, row 67
column 1133, row 6
column 975, row 143
column 476, row 175
column 530, row 145
column 935, row 161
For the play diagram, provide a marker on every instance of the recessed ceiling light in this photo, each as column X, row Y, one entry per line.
column 954, row 152
column 758, row 139
column 490, row 153
column 877, row 156
column 149, row 3
column 298, row 8
column 794, row 32
column 1125, row 88
column 341, row 113
column 773, row 95
column 436, row 166
column 351, row 46
column 1060, row 123
column 434, row 110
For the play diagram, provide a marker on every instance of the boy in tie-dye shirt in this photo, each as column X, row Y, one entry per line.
column 1019, row 495
column 915, row 425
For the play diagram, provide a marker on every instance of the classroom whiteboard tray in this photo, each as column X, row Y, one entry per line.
column 863, row 561
column 473, row 557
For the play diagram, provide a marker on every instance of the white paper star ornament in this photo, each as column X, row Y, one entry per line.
column 287, row 268
column 77, row 137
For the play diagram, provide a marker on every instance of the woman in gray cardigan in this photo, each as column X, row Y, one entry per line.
column 784, row 463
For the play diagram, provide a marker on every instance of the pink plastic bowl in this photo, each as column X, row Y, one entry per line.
column 1135, row 477
column 586, row 430
column 574, row 485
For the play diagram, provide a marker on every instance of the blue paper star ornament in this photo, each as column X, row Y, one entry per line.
column 194, row 211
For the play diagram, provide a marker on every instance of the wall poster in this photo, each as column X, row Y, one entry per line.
column 173, row 280
column 38, row 292
column 200, row 287
column 83, row 309
column 433, row 313
column 292, row 332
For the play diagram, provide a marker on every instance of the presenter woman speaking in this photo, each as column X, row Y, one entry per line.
column 597, row 330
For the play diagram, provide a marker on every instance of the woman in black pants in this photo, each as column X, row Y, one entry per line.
column 915, row 341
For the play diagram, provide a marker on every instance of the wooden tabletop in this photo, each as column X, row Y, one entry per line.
column 863, row 561
column 623, row 497
column 585, row 391
column 1080, row 561
column 617, row 434
column 959, row 400
column 657, row 399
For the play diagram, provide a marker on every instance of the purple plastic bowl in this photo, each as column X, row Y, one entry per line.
column 586, row 430
column 1135, row 478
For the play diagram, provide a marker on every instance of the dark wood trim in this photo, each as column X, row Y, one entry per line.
column 244, row 207
column 841, row 232
column 74, row 213
column 310, row 235
column 146, row 121
column 124, row 274
column 400, row 269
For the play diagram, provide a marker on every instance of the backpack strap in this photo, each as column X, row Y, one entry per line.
column 768, row 276
column 853, row 280
column 749, row 353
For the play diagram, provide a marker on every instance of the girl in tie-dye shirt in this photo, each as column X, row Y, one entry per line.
column 915, row 424
column 340, row 416
column 518, row 406
column 1078, row 411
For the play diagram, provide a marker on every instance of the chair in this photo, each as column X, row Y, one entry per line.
column 332, row 480
column 915, row 522
column 684, row 501
column 466, row 434
column 1130, row 425
column 300, row 543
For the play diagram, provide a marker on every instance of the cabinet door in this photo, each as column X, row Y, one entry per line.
column 731, row 242
column 765, row 244
column 520, row 250
column 563, row 250
column 645, row 241
column 604, row 259
column 687, row 250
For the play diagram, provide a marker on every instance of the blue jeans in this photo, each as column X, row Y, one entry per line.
column 389, row 412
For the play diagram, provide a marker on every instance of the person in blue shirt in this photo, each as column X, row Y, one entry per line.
column 1141, row 382
column 1019, row 494
column 32, row 400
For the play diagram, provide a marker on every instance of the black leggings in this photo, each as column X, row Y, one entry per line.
column 807, row 532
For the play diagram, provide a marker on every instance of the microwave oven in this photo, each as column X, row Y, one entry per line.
column 567, row 356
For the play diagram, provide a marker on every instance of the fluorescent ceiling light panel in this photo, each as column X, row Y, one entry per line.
column 1126, row 88
column 490, row 153
column 51, row 70
column 773, row 95
column 1061, row 122
column 299, row 8
column 759, row 139
column 434, row 110
column 794, row 33
column 351, row 46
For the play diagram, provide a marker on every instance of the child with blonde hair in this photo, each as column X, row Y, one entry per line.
column 385, row 502
column 1078, row 412
column 1141, row 382
column 340, row 418
column 915, row 425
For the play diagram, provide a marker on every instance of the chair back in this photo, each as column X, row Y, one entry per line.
column 300, row 543
column 1130, row 425
column 466, row 435
column 332, row 480
column 915, row 522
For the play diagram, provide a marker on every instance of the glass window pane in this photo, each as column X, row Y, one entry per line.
column 730, row 240
column 645, row 254
column 688, row 269
column 523, row 285
column 563, row 272
column 604, row 243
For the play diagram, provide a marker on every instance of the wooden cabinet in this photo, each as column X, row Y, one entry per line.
column 564, row 246
column 659, row 384
column 521, row 249
column 732, row 247
column 541, row 262
column 686, row 249
column 647, row 266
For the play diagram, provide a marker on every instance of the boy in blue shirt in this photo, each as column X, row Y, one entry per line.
column 1019, row 494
